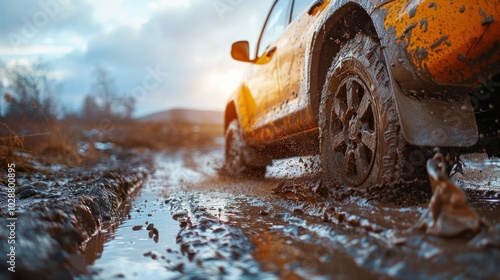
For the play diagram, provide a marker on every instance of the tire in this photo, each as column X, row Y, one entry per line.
column 235, row 164
column 361, row 142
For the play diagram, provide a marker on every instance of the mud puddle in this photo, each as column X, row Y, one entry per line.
column 117, row 252
column 165, row 236
column 208, row 226
column 143, row 244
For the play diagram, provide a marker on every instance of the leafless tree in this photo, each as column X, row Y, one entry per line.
column 91, row 110
column 128, row 104
column 103, row 88
column 30, row 92
column 103, row 101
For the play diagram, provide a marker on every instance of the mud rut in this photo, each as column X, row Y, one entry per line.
column 203, row 225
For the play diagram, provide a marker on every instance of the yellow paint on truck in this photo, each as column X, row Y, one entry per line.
column 443, row 46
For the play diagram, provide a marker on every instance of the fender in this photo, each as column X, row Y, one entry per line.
column 245, row 108
column 430, row 80
column 431, row 113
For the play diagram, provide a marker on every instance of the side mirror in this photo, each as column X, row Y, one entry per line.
column 240, row 51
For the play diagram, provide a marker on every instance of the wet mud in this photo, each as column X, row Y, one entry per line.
column 290, row 225
column 59, row 208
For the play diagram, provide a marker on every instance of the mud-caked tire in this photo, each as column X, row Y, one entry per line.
column 235, row 164
column 361, row 142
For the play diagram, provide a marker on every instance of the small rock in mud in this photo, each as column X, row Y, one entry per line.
column 325, row 218
column 263, row 213
column 187, row 248
column 27, row 193
column 218, row 230
column 136, row 228
column 219, row 255
column 200, row 208
column 183, row 222
column 153, row 254
column 179, row 214
column 341, row 216
column 353, row 221
column 150, row 226
column 179, row 267
column 23, row 188
column 41, row 185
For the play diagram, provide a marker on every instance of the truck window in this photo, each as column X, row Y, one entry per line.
column 299, row 6
column 276, row 23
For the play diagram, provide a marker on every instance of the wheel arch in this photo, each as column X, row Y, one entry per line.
column 454, row 123
column 343, row 24
column 229, row 114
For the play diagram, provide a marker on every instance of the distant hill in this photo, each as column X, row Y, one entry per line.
column 186, row 116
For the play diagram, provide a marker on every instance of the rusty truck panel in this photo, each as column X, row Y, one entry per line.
column 449, row 42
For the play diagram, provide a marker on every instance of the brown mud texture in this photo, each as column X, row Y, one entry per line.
column 290, row 225
column 293, row 225
column 58, row 208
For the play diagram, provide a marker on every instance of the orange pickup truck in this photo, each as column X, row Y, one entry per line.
column 366, row 83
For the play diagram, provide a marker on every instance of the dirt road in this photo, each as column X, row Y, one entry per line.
column 188, row 221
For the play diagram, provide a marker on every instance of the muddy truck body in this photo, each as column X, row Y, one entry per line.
column 367, row 84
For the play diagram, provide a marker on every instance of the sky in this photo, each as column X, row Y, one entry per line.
column 165, row 53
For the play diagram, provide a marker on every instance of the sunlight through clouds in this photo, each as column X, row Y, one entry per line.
column 186, row 38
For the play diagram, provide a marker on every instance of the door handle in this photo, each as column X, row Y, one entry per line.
column 271, row 51
column 314, row 6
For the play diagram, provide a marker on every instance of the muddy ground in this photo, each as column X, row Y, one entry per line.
column 58, row 207
column 190, row 221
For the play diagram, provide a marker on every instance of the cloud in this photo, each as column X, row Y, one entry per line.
column 190, row 40
column 29, row 22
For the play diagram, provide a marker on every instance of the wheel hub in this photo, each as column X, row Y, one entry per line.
column 353, row 130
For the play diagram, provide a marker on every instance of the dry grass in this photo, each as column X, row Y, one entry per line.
column 9, row 142
column 61, row 142
column 167, row 135
column 58, row 147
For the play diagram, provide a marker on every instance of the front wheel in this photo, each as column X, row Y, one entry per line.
column 235, row 164
column 360, row 138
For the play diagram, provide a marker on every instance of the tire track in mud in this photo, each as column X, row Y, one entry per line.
column 221, row 227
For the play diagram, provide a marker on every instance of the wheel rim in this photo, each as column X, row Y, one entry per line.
column 353, row 130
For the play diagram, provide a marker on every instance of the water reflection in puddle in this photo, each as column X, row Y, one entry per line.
column 284, row 242
column 120, row 251
column 123, row 251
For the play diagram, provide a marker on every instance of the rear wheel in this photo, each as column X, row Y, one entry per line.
column 235, row 164
column 360, row 138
